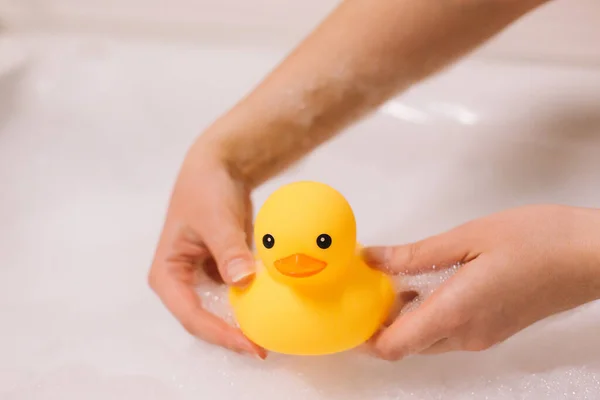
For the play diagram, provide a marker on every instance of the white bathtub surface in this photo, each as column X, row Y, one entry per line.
column 92, row 131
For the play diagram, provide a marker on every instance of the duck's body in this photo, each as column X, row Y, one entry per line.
column 313, row 321
column 312, row 294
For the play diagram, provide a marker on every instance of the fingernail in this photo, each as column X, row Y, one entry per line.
column 260, row 353
column 246, row 347
column 240, row 270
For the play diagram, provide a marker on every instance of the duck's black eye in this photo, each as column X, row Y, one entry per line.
column 324, row 241
column 268, row 241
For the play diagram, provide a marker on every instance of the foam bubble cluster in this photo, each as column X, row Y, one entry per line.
column 533, row 365
column 214, row 296
column 424, row 284
column 214, row 299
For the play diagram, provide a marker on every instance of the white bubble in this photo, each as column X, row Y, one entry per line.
column 529, row 366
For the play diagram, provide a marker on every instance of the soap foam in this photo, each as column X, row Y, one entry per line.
column 424, row 284
column 523, row 368
column 214, row 296
column 214, row 299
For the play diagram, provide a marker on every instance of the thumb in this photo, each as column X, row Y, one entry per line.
column 225, row 236
column 412, row 332
column 443, row 251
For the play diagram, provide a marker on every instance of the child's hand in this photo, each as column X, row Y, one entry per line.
column 206, row 232
column 520, row 266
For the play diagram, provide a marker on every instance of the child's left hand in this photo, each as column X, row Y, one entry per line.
column 519, row 266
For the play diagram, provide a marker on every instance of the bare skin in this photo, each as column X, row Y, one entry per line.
column 365, row 52
column 519, row 266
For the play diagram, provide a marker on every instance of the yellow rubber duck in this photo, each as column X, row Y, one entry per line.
column 312, row 293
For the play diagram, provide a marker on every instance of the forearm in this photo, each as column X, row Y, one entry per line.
column 588, row 244
column 362, row 54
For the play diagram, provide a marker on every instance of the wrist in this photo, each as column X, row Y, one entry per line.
column 235, row 146
column 255, row 142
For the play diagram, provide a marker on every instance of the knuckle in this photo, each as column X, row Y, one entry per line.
column 188, row 326
column 387, row 352
column 235, row 251
column 153, row 279
column 405, row 255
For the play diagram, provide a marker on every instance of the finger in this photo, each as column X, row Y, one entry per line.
column 187, row 252
column 249, row 224
column 402, row 299
column 209, row 268
column 220, row 221
column 444, row 345
column 226, row 239
column 411, row 333
column 183, row 302
column 222, row 225
column 440, row 251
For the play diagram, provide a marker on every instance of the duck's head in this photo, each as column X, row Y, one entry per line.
column 305, row 234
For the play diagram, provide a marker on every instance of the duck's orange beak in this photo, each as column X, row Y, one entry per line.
column 299, row 266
